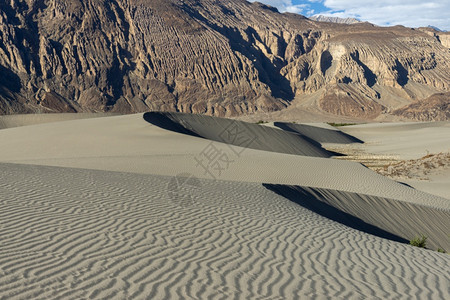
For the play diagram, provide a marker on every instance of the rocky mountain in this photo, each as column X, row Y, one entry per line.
column 321, row 18
column 442, row 36
column 434, row 108
column 222, row 58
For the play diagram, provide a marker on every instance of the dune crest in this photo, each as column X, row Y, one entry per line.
column 388, row 218
column 238, row 133
column 119, row 208
column 319, row 134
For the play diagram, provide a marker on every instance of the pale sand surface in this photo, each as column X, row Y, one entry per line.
column 403, row 140
column 406, row 141
column 77, row 233
column 10, row 121
column 130, row 144
column 438, row 185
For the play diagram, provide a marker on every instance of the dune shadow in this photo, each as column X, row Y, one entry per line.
column 321, row 135
column 405, row 184
column 337, row 154
column 306, row 198
column 238, row 133
column 164, row 122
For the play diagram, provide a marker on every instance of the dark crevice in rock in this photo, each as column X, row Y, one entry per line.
column 402, row 73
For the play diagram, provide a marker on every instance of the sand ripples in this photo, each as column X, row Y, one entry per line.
column 71, row 234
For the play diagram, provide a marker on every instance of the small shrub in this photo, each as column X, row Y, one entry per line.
column 420, row 241
column 261, row 122
column 441, row 250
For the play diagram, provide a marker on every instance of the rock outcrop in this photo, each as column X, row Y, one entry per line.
column 434, row 108
column 222, row 58
column 442, row 36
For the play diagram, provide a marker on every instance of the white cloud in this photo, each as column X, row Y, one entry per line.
column 285, row 5
column 411, row 13
column 299, row 8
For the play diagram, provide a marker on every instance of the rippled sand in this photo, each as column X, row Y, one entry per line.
column 119, row 208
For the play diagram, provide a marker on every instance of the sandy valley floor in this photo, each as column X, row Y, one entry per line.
column 117, row 207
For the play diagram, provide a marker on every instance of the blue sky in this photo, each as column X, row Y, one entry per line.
column 410, row 13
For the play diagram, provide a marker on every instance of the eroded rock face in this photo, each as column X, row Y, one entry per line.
column 444, row 38
column 441, row 36
column 222, row 58
column 350, row 100
column 434, row 108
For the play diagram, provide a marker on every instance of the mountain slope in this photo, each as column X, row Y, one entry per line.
column 433, row 108
column 221, row 58
column 322, row 18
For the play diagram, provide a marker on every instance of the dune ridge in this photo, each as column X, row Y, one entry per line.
column 117, row 208
column 225, row 130
column 395, row 220
column 130, row 144
column 74, row 233
column 319, row 134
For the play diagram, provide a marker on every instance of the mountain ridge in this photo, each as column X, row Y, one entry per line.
column 322, row 18
column 224, row 58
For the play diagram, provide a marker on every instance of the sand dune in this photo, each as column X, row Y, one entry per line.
column 72, row 233
column 238, row 133
column 130, row 144
column 319, row 134
column 119, row 208
column 10, row 121
column 395, row 220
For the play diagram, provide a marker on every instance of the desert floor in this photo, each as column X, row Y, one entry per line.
column 160, row 206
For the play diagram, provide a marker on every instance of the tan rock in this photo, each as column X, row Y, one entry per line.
column 221, row 58
column 433, row 108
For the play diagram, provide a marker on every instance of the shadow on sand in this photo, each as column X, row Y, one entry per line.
column 238, row 133
column 307, row 198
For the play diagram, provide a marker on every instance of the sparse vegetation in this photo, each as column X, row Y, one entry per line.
column 420, row 168
column 340, row 124
column 261, row 122
column 441, row 250
column 419, row 241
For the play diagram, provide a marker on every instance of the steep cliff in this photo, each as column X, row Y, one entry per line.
column 221, row 58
